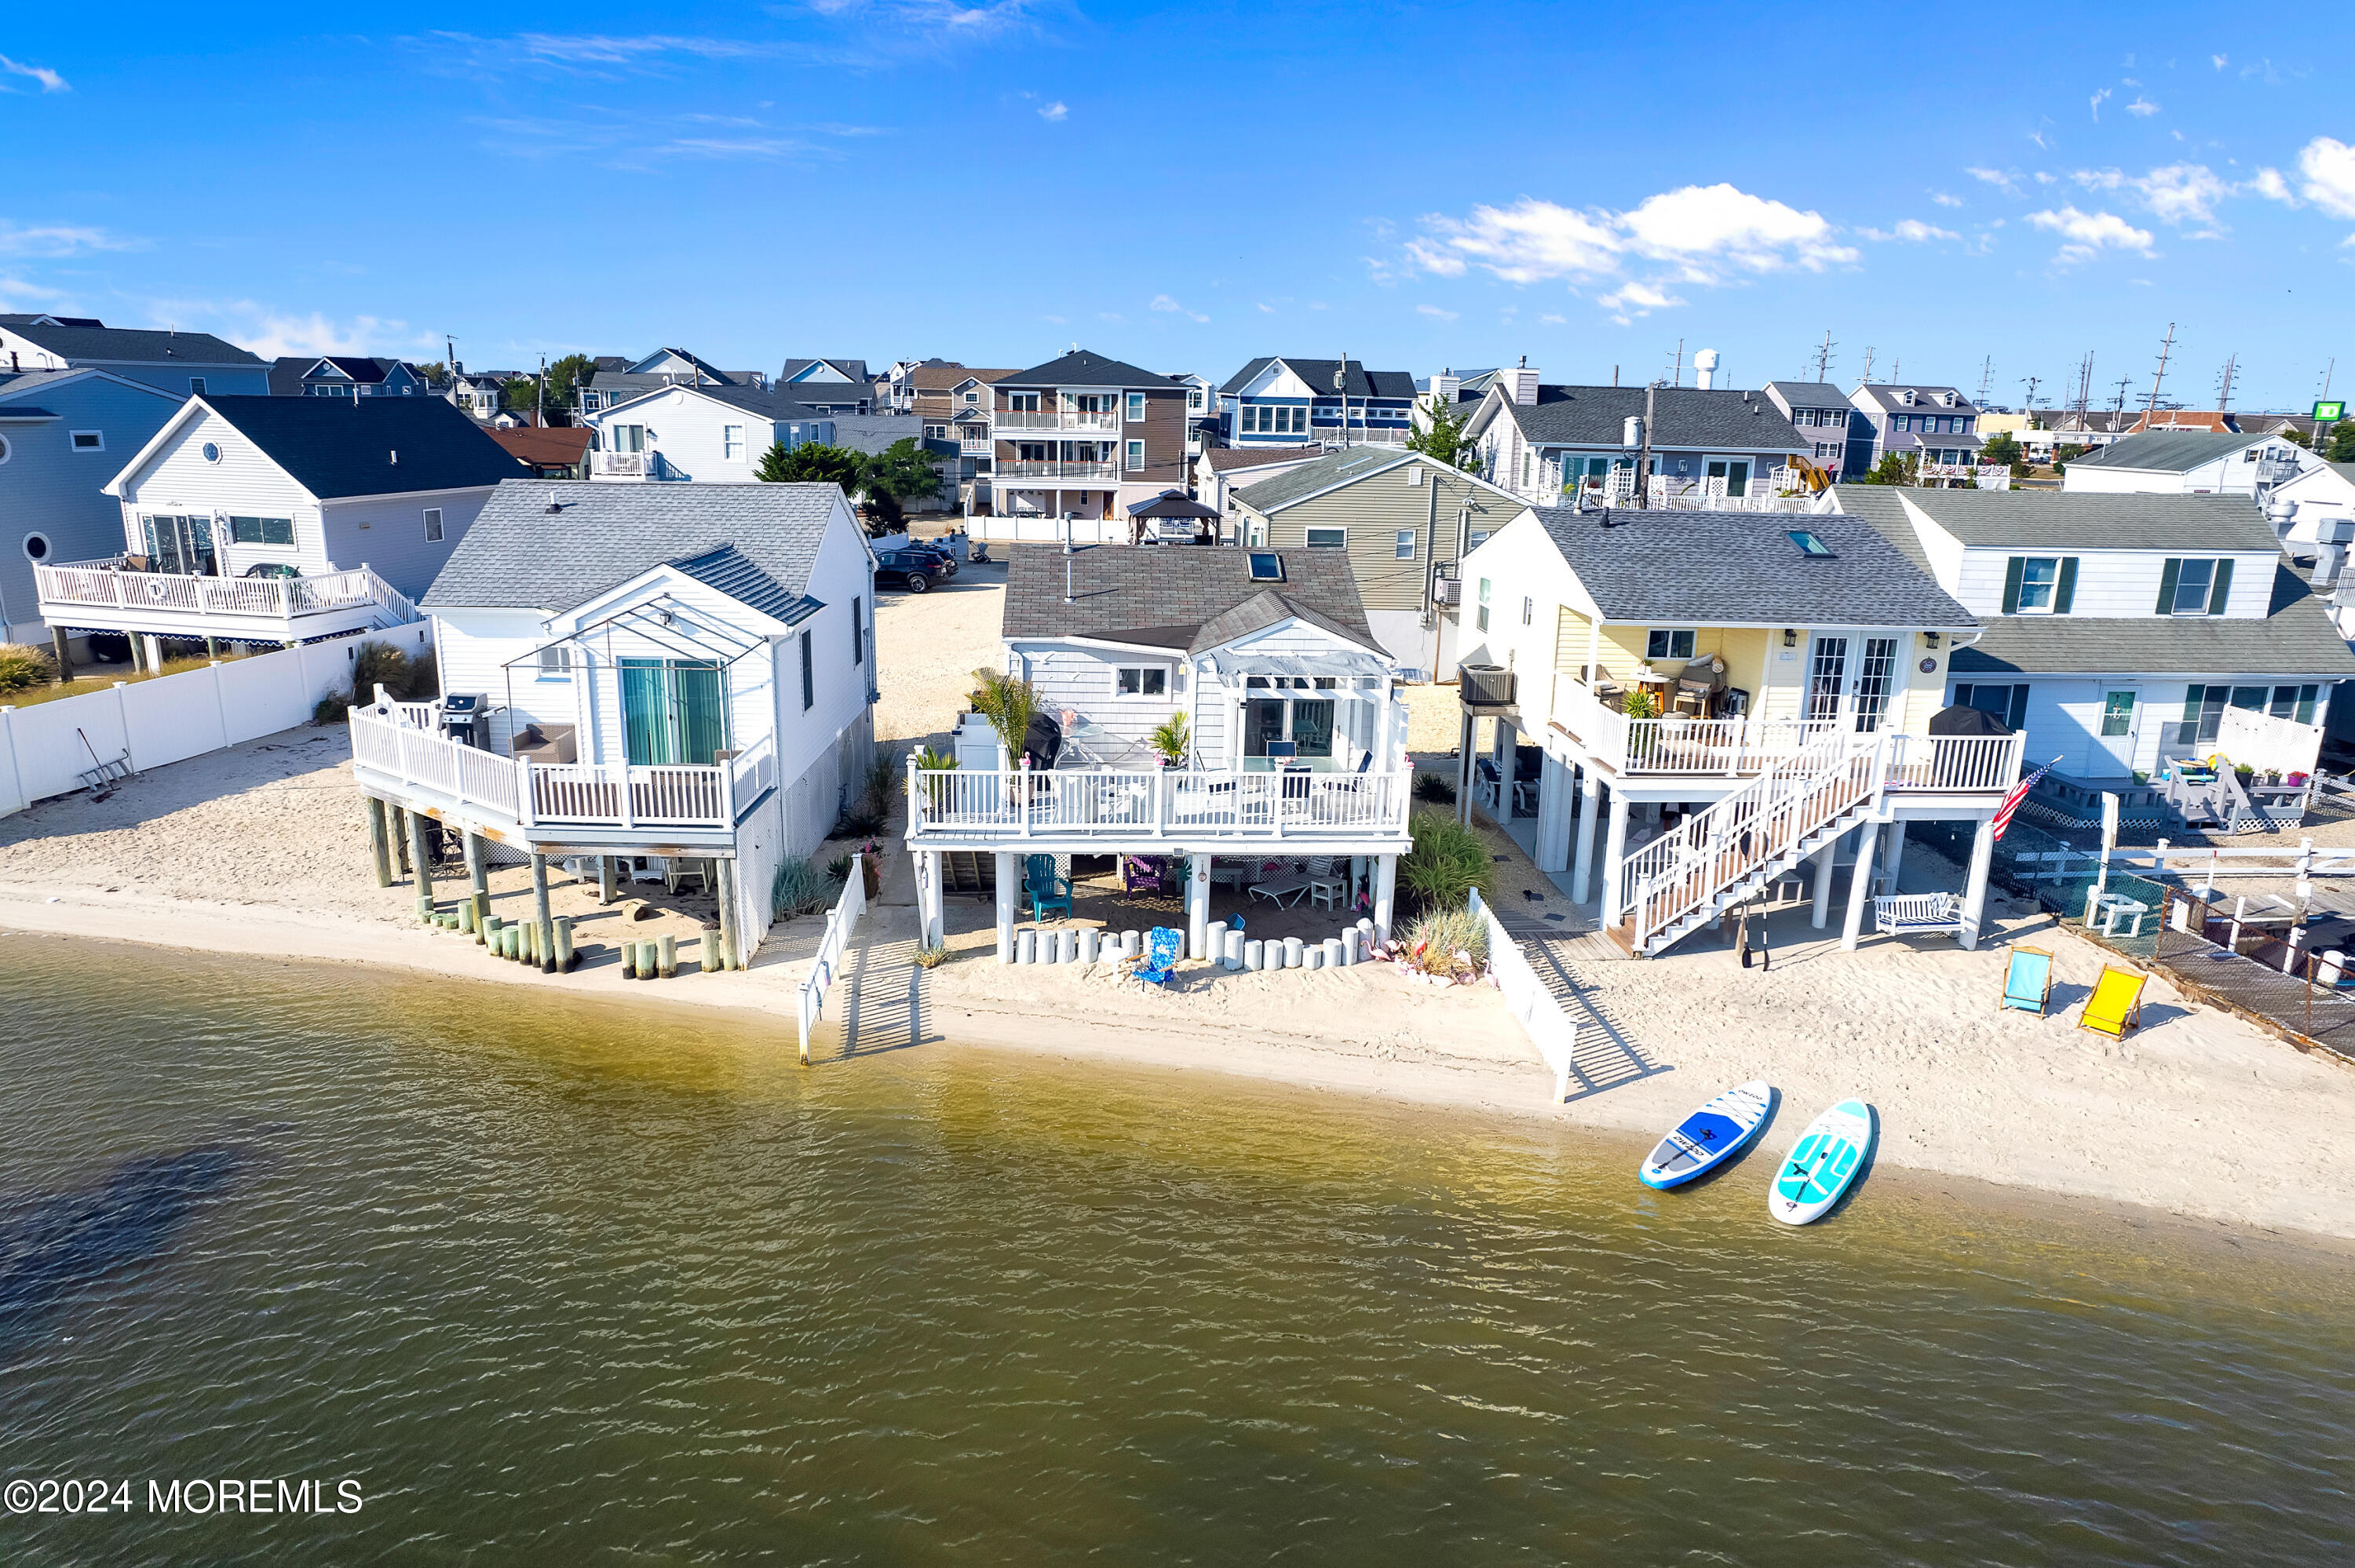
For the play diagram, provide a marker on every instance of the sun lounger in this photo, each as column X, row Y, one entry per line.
column 2115, row 1005
column 2027, row 980
column 1160, row 959
column 1279, row 890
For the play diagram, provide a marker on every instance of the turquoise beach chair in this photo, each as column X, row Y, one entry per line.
column 2027, row 980
column 1047, row 889
column 1161, row 950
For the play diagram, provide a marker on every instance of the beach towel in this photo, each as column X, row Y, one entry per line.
column 2027, row 980
column 2115, row 1005
column 1160, row 960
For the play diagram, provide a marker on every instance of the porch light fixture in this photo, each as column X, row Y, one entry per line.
column 1790, row 637
column 1929, row 639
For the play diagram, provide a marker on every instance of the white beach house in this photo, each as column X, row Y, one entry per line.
column 700, row 433
column 1751, row 692
column 1296, row 734
column 280, row 519
column 678, row 670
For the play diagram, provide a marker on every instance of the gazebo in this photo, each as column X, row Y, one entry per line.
column 1172, row 506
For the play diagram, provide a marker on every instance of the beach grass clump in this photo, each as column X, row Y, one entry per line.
column 800, row 888
column 1435, row 787
column 1447, row 862
column 1450, row 943
column 23, row 667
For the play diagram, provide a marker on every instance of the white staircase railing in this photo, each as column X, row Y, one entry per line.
column 1785, row 814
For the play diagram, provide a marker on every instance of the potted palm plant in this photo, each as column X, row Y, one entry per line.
column 1173, row 740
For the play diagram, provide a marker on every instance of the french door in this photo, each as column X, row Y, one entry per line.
column 1852, row 679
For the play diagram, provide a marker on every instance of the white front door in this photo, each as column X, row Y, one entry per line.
column 1854, row 678
column 2120, row 723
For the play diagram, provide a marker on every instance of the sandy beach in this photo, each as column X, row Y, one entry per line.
column 261, row 849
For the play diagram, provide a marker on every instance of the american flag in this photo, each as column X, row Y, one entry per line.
column 2018, row 793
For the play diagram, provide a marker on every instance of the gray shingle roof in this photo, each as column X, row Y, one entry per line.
column 1740, row 569
column 766, row 402
column 2295, row 639
column 1175, row 596
column 731, row 572
column 1225, row 457
column 1333, row 468
column 1085, row 367
column 2000, row 519
column 855, row 369
column 2166, row 451
column 1810, row 394
column 1884, row 396
column 1318, row 374
column 133, row 345
column 347, row 446
column 517, row 556
column 877, row 432
column 1683, row 417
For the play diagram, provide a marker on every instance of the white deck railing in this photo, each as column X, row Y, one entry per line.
column 840, row 921
column 80, row 587
column 396, row 748
column 1023, row 804
column 1727, row 747
column 1076, row 468
column 1108, row 419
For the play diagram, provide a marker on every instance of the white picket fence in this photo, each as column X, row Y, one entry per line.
column 1541, row 1018
column 840, row 921
column 44, row 749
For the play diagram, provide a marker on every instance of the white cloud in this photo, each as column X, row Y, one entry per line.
column 1911, row 230
column 1553, row 320
column 1632, row 300
column 1704, row 234
column 2142, row 108
column 17, row 293
column 2097, row 101
column 2270, row 184
column 1944, row 199
column 2178, row 192
column 2006, row 183
column 2086, row 235
column 1267, row 310
column 55, row 239
column 1168, row 306
column 269, row 331
column 50, row 81
column 1435, row 312
column 2217, row 60
column 1056, row 111
column 2329, row 166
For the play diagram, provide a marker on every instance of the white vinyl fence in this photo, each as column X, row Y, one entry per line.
column 46, row 749
column 840, row 921
column 1541, row 1018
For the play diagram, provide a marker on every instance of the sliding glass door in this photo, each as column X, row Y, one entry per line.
column 673, row 711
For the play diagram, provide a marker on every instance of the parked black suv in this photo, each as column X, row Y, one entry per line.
column 918, row 569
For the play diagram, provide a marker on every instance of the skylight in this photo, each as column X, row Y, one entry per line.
column 1809, row 546
column 1266, row 566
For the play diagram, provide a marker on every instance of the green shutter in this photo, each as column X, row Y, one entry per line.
column 2223, row 591
column 646, row 718
column 2065, row 594
column 702, row 712
column 2168, row 574
column 2011, row 585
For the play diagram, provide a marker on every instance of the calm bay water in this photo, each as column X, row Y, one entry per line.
column 575, row 1284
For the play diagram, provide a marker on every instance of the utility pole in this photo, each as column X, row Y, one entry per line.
column 1644, row 457
column 2224, row 382
column 2031, row 383
column 2166, row 345
column 1341, row 386
column 539, row 396
column 1676, row 375
column 1824, row 357
column 2084, row 387
column 2118, row 403
column 1868, row 366
column 1896, row 371
column 1986, row 380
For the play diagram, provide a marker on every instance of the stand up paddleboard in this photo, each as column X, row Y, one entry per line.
column 1822, row 1164
column 1710, row 1136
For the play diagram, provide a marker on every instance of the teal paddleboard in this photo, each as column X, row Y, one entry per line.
column 1822, row 1163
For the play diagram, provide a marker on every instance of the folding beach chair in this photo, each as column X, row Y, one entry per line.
column 2115, row 1005
column 2027, row 980
column 1161, row 950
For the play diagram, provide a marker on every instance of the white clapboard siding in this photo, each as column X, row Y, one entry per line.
column 2116, row 583
column 243, row 483
column 387, row 534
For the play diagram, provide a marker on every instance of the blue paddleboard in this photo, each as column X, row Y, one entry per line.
column 1710, row 1136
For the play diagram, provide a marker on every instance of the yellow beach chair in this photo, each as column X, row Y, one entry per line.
column 2027, row 980
column 2115, row 1005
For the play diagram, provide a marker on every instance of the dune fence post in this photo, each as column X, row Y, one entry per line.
column 380, row 842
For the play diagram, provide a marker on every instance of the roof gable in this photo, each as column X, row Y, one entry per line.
column 1084, row 368
column 1683, row 418
column 133, row 346
column 340, row 447
column 1173, row 596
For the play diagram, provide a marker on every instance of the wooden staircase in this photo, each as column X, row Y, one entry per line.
column 1727, row 853
column 968, row 870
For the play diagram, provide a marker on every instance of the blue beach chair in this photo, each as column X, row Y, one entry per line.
column 1161, row 950
column 2027, row 980
column 1047, row 889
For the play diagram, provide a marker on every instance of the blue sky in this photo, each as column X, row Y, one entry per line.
column 1186, row 185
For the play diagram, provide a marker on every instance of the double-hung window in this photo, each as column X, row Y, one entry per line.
column 1135, row 455
column 1403, row 547
column 1141, row 681
column 2187, row 587
column 731, row 443
column 2039, row 585
column 556, row 662
column 1136, row 408
column 1667, row 643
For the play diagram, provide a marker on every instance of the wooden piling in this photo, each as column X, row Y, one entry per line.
column 710, row 952
column 478, row 871
column 730, row 949
column 486, row 931
column 380, row 842
column 421, row 855
column 58, row 642
column 666, row 958
column 565, row 956
column 400, row 837
column 605, row 892
column 466, row 915
column 484, row 919
column 543, row 924
column 629, row 961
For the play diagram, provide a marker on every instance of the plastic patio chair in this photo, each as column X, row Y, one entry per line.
column 1143, row 873
column 2027, row 980
column 2115, row 1005
column 1046, row 887
column 1160, row 959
